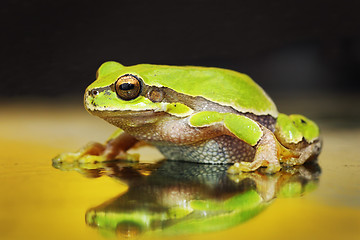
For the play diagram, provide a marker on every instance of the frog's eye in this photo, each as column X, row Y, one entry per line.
column 128, row 87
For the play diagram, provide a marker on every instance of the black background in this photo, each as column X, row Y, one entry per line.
column 53, row 48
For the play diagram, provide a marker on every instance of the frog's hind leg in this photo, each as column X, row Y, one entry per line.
column 267, row 155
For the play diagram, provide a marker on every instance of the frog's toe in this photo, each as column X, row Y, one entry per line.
column 240, row 167
column 56, row 162
column 65, row 161
column 94, row 159
column 67, row 157
column 86, row 159
column 272, row 168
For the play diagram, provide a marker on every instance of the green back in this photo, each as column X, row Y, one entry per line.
column 222, row 86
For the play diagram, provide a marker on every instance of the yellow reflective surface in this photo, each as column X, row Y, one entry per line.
column 40, row 202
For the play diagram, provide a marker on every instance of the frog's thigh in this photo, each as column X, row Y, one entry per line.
column 294, row 130
column 248, row 131
column 236, row 125
column 266, row 154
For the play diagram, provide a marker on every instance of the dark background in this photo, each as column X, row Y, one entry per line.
column 53, row 48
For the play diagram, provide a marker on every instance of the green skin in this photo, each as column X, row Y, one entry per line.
column 180, row 93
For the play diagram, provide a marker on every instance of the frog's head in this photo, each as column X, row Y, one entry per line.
column 121, row 91
column 160, row 90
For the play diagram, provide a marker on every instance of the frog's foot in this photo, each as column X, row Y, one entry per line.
column 266, row 156
column 95, row 152
column 271, row 167
column 93, row 149
column 308, row 153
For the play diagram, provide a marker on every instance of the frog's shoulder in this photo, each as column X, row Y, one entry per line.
column 223, row 86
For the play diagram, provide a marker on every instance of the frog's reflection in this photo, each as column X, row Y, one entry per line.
column 180, row 198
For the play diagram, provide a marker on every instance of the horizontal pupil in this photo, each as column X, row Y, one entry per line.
column 126, row 86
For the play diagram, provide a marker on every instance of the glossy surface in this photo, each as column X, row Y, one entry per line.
column 38, row 201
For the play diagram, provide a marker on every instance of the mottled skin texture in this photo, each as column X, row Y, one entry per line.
column 163, row 116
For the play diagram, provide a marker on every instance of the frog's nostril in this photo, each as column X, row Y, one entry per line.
column 94, row 92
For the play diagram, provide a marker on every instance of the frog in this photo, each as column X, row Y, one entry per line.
column 207, row 115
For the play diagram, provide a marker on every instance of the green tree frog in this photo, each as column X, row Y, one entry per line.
column 197, row 114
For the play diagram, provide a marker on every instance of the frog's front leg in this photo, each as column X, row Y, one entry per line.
column 117, row 145
column 114, row 148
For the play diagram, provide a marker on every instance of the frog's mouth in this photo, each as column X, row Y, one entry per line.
column 125, row 113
